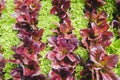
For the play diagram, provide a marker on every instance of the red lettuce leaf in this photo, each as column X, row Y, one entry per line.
column 96, row 35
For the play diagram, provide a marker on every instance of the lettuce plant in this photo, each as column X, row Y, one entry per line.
column 100, row 65
column 26, row 13
column 2, row 6
column 97, row 31
column 91, row 7
column 62, row 56
column 65, row 28
column 96, row 35
column 60, row 8
column 63, row 44
column 27, row 52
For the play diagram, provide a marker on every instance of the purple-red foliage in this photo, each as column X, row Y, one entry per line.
column 100, row 65
column 95, row 39
column 27, row 52
column 27, row 14
column 60, row 8
column 63, row 44
column 65, row 28
column 93, row 4
column 91, row 7
column 2, row 6
column 96, row 35
column 98, row 18
column 97, row 31
column 62, row 56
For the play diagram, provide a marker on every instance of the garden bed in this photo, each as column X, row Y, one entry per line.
column 45, row 20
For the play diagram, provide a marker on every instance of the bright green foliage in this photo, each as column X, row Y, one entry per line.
column 77, row 16
column 109, row 7
column 8, row 35
column 115, row 49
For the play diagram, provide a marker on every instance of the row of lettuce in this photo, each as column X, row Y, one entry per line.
column 95, row 39
column 2, row 59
